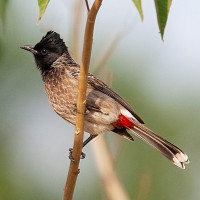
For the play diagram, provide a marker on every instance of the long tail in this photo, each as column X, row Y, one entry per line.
column 170, row 151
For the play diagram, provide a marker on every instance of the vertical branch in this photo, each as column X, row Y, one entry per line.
column 79, row 130
column 144, row 185
column 112, row 185
column 113, row 188
column 76, row 29
column 87, row 5
column 107, row 51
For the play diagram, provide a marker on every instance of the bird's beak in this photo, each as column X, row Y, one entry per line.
column 29, row 48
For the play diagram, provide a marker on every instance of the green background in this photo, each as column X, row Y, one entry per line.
column 161, row 81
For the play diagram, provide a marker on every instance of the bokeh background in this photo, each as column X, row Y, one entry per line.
column 161, row 80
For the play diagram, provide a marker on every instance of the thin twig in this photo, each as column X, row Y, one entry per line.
column 107, row 50
column 113, row 188
column 106, row 54
column 76, row 29
column 87, row 5
column 79, row 130
column 118, row 143
column 144, row 185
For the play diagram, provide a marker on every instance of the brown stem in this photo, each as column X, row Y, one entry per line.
column 76, row 29
column 113, row 188
column 78, row 140
column 112, row 185
column 107, row 51
column 87, row 5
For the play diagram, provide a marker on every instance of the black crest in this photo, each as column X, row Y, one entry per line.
column 52, row 41
column 49, row 49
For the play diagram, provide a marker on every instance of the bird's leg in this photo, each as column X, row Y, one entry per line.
column 71, row 157
column 89, row 139
column 88, row 108
column 92, row 108
column 85, row 113
column 83, row 155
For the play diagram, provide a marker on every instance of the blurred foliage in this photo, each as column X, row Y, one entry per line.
column 34, row 152
column 3, row 9
column 1, row 48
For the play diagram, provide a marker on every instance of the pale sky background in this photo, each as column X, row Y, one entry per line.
column 174, row 74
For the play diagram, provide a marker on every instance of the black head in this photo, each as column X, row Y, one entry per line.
column 48, row 50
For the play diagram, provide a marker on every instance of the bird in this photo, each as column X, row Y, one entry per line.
column 105, row 110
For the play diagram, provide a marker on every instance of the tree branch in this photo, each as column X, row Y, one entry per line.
column 113, row 188
column 76, row 29
column 82, row 86
column 87, row 5
column 106, row 53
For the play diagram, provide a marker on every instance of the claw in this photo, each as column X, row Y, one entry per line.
column 70, row 154
column 85, row 113
column 83, row 155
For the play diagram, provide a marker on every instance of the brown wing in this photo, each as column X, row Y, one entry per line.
column 99, row 85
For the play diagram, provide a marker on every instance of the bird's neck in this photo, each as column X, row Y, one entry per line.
column 65, row 60
column 66, row 57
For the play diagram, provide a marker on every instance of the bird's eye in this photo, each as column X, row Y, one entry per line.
column 43, row 52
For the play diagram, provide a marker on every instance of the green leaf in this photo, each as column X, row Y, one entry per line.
column 42, row 7
column 3, row 7
column 162, row 9
column 138, row 5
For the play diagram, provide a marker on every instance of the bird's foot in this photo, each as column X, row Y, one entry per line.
column 83, row 155
column 76, row 110
column 70, row 154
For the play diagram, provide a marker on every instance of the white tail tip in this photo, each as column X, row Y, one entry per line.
column 180, row 159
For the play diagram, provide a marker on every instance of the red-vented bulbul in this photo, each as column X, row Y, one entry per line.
column 106, row 110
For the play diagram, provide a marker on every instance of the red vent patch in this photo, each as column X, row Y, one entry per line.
column 123, row 122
